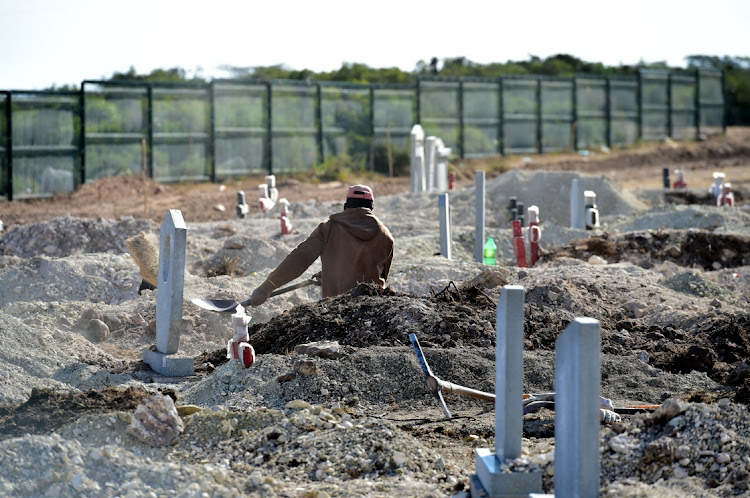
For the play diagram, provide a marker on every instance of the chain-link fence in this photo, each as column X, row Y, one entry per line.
column 52, row 141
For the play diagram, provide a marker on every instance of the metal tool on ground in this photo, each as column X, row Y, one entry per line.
column 531, row 402
column 229, row 305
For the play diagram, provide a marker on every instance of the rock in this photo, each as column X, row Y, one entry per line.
column 306, row 367
column 660, row 451
column 96, row 331
column 668, row 410
column 596, row 260
column 156, row 421
column 323, row 349
column 621, row 443
column 297, row 404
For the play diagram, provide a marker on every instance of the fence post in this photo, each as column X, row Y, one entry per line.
column 9, row 145
column 319, row 122
column 539, row 134
column 461, row 134
column 723, row 103
column 372, row 127
column 501, row 119
column 574, row 116
column 608, row 110
column 80, row 178
column 639, row 102
column 212, row 131
column 669, row 105
column 268, row 152
column 150, row 131
column 418, row 110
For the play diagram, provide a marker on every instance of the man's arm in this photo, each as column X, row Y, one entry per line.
column 292, row 267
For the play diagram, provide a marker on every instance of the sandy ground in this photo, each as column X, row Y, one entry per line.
column 667, row 276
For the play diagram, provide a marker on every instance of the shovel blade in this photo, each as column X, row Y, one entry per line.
column 220, row 305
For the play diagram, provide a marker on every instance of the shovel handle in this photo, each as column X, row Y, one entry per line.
column 284, row 290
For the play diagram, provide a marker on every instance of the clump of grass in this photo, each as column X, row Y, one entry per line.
column 227, row 266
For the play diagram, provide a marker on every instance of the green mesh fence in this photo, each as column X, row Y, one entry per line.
column 623, row 111
column 683, row 107
column 293, row 127
column 393, row 118
column 439, row 111
column 116, row 129
column 592, row 117
column 5, row 149
column 520, row 115
column 481, row 118
column 711, row 103
column 45, row 142
column 346, row 123
column 51, row 141
column 557, row 115
column 181, row 118
column 240, row 127
column 654, row 105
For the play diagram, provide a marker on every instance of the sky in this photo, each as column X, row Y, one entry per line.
column 63, row 42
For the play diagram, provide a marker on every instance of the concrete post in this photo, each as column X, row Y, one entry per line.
column 577, row 377
column 173, row 242
column 417, row 159
column 445, row 225
column 430, row 153
column 480, row 200
column 577, row 205
column 441, row 166
column 489, row 478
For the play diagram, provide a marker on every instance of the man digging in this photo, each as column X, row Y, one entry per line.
column 354, row 247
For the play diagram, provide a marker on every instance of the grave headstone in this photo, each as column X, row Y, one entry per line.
column 441, row 166
column 490, row 479
column 480, row 206
column 417, row 159
column 164, row 358
column 577, row 403
column 445, row 225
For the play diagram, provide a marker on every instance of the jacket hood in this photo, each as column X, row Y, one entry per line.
column 359, row 222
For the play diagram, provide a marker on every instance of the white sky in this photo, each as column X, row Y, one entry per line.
column 60, row 42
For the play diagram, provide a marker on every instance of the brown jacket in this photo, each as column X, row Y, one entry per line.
column 353, row 245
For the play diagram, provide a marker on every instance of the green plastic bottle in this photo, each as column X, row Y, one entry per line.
column 490, row 252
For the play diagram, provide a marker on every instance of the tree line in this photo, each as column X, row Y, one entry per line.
column 736, row 71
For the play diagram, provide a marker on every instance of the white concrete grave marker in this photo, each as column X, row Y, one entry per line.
column 489, row 477
column 173, row 241
column 479, row 233
column 417, row 159
column 430, row 153
column 577, row 205
column 577, row 403
column 445, row 225
column 442, row 154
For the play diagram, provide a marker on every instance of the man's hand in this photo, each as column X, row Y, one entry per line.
column 260, row 295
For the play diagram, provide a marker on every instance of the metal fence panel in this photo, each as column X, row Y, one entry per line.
column 623, row 111
column 240, row 128
column 115, row 129
column 481, row 119
column 520, row 115
column 557, row 115
column 346, row 123
column 439, row 111
column 591, row 111
column 654, row 105
column 181, row 117
column 45, row 140
column 293, row 127
column 683, row 107
column 5, row 149
column 711, row 101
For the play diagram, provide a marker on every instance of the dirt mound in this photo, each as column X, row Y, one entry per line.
column 689, row 248
column 369, row 316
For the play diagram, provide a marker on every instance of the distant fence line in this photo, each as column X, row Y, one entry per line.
column 53, row 141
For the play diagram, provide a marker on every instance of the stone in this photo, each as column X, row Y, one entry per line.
column 323, row 349
column 668, row 410
column 96, row 331
column 156, row 421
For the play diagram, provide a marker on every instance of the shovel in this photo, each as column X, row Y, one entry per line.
column 229, row 305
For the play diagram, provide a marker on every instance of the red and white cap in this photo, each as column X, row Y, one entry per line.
column 360, row 192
